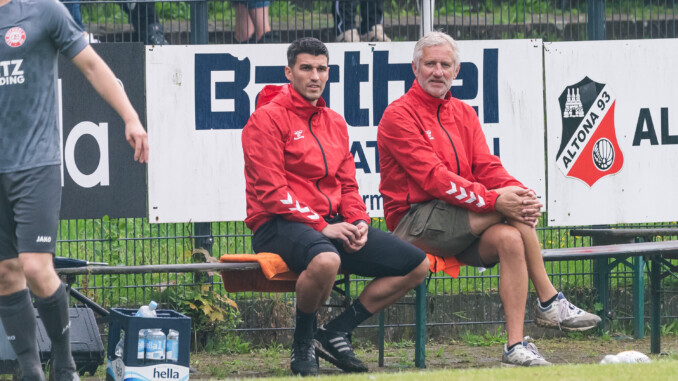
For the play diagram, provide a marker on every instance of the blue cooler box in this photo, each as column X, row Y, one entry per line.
column 128, row 367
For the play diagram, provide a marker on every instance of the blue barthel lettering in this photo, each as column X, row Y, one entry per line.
column 220, row 98
column 491, row 86
column 469, row 76
column 383, row 73
column 354, row 74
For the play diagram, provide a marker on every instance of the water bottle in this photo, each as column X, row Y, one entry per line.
column 141, row 345
column 172, row 346
column 147, row 311
column 121, row 344
column 626, row 357
column 155, row 345
column 144, row 311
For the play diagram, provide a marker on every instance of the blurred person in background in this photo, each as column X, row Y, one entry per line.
column 252, row 23
column 371, row 27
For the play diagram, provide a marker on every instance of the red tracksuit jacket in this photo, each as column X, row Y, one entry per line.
column 297, row 162
column 431, row 148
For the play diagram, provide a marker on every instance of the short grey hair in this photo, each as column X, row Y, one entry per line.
column 435, row 38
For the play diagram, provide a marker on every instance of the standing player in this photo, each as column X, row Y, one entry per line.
column 33, row 32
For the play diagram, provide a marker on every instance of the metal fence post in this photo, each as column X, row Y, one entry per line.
column 427, row 7
column 595, row 25
column 655, row 320
column 203, row 236
column 203, row 240
column 382, row 334
column 199, row 33
column 420, row 328
column 638, row 298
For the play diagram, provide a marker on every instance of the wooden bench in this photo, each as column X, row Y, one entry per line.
column 651, row 251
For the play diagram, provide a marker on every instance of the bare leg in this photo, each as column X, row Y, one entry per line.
column 503, row 243
column 315, row 283
column 244, row 29
column 261, row 20
column 40, row 275
column 535, row 262
column 12, row 278
column 382, row 292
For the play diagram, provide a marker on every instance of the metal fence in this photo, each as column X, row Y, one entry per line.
column 470, row 300
column 201, row 21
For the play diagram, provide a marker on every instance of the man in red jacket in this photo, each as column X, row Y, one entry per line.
column 303, row 204
column 445, row 192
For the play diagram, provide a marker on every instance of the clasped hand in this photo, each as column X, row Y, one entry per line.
column 519, row 204
column 352, row 236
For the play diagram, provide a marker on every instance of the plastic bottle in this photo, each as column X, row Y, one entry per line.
column 155, row 345
column 121, row 344
column 141, row 345
column 148, row 311
column 172, row 346
column 626, row 357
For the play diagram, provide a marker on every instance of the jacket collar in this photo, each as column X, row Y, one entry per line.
column 425, row 99
column 293, row 101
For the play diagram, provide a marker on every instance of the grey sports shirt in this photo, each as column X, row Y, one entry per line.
column 32, row 33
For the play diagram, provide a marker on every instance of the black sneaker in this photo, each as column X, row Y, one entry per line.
column 269, row 38
column 303, row 361
column 336, row 348
column 154, row 35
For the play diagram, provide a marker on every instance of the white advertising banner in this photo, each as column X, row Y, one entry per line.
column 200, row 97
column 610, row 140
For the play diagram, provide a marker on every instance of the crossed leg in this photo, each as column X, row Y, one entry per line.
column 515, row 246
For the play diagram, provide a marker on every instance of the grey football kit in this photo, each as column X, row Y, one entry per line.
column 32, row 33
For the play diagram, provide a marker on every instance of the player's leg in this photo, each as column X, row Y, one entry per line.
column 311, row 255
column 397, row 266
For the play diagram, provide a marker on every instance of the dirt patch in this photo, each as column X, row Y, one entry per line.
column 451, row 354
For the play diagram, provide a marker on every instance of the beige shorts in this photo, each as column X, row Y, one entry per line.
column 441, row 229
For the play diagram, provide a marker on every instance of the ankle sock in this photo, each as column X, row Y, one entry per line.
column 509, row 347
column 349, row 319
column 548, row 302
column 54, row 315
column 18, row 319
column 306, row 323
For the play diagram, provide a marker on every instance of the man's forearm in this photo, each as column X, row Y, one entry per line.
column 105, row 83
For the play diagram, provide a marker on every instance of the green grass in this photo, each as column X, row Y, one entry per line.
column 485, row 340
column 657, row 370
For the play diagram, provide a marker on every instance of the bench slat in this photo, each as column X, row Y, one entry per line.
column 606, row 251
column 169, row 268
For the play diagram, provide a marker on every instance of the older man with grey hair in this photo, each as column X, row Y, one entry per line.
column 448, row 195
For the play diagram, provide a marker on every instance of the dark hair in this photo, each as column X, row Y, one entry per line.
column 308, row 45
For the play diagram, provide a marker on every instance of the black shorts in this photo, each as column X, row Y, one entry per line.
column 383, row 254
column 30, row 201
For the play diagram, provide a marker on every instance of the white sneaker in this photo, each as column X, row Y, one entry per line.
column 523, row 354
column 351, row 35
column 564, row 315
column 91, row 39
column 376, row 34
